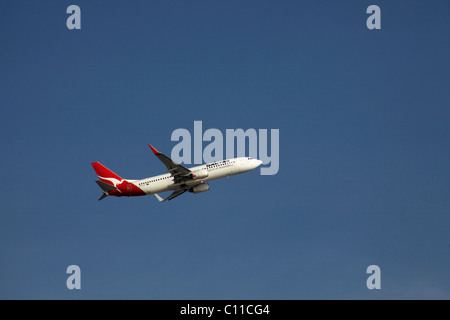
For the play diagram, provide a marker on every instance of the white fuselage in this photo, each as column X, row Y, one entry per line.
column 206, row 172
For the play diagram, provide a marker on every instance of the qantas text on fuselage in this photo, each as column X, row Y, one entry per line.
column 179, row 179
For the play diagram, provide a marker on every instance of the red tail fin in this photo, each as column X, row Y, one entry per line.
column 106, row 175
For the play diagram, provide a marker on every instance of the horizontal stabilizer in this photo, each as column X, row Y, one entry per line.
column 103, row 196
column 105, row 187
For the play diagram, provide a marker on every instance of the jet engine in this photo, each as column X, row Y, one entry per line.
column 200, row 188
column 199, row 174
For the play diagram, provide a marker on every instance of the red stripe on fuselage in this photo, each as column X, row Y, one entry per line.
column 127, row 189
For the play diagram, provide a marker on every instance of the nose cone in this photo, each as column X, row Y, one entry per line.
column 253, row 164
column 257, row 163
column 247, row 164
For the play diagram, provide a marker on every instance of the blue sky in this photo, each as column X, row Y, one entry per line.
column 364, row 149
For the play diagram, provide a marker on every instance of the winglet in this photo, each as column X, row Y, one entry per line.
column 158, row 197
column 156, row 152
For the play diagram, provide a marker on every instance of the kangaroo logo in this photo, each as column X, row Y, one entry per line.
column 114, row 181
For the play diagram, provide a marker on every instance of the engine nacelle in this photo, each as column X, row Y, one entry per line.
column 200, row 188
column 199, row 174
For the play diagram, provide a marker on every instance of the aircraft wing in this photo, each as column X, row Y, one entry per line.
column 178, row 171
column 174, row 194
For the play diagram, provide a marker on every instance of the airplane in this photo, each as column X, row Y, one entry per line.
column 179, row 179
